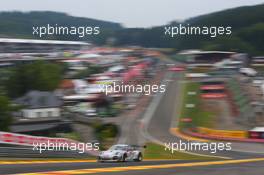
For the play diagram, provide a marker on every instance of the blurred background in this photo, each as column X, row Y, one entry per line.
column 50, row 86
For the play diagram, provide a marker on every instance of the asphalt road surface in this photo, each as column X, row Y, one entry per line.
column 231, row 167
column 159, row 126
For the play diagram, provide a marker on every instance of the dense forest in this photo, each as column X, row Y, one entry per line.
column 247, row 30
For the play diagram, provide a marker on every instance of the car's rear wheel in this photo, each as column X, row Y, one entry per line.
column 139, row 158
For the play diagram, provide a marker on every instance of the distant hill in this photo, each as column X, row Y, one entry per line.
column 239, row 17
column 247, row 26
column 19, row 24
column 247, row 30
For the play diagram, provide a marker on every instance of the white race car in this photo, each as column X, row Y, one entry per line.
column 121, row 153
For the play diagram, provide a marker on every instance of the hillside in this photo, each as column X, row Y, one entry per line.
column 247, row 30
column 238, row 17
column 247, row 25
column 19, row 24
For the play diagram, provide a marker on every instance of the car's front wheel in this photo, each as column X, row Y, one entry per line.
column 124, row 158
column 139, row 158
column 99, row 159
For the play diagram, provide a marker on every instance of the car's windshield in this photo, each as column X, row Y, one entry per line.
column 118, row 147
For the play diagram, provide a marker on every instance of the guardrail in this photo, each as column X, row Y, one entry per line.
column 19, row 145
column 223, row 133
column 28, row 140
column 224, row 138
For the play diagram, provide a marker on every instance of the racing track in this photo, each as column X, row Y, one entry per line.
column 158, row 128
column 236, row 167
column 168, row 107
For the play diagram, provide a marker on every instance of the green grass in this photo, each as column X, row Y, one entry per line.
column 199, row 70
column 258, row 68
column 72, row 135
column 199, row 116
column 106, row 134
column 155, row 151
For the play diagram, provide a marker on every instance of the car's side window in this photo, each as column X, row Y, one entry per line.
column 130, row 149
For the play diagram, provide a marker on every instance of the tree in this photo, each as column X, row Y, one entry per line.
column 231, row 44
column 5, row 110
column 35, row 76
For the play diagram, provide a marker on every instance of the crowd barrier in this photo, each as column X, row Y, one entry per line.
column 28, row 140
column 227, row 135
column 223, row 133
column 8, row 138
column 256, row 134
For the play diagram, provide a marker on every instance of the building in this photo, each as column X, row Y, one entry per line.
column 11, row 45
column 204, row 58
column 257, row 61
column 39, row 104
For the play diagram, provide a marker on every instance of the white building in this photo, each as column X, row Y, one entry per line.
column 39, row 104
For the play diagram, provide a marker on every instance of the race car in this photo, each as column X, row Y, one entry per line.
column 121, row 153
